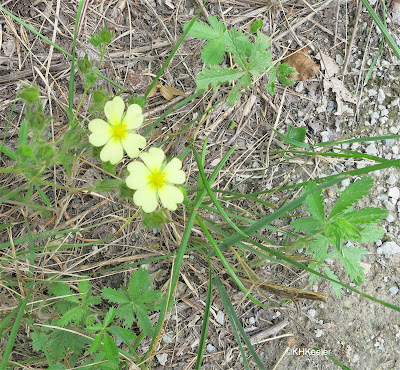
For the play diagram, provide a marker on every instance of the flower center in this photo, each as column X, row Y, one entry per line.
column 119, row 131
column 157, row 179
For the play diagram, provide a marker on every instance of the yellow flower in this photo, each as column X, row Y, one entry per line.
column 154, row 179
column 116, row 134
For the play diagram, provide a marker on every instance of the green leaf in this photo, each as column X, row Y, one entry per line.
column 318, row 247
column 62, row 289
column 109, row 316
column 256, row 25
column 234, row 94
column 155, row 219
column 306, row 225
column 96, row 343
column 126, row 335
column 202, row 31
column 351, row 257
column 315, row 203
column 213, row 52
column 73, row 315
column 144, row 321
column 84, row 64
column 216, row 24
column 337, row 289
column 115, row 296
column 366, row 215
column 7, row 151
column 111, row 349
column 371, row 233
column 283, row 70
column 217, row 76
column 39, row 341
column 297, row 134
column 354, row 192
column 139, row 282
column 30, row 94
column 237, row 44
column 23, row 133
column 127, row 313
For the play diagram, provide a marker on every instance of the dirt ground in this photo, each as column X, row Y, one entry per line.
column 334, row 103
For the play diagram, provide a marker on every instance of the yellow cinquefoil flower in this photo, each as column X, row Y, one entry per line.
column 116, row 134
column 154, row 179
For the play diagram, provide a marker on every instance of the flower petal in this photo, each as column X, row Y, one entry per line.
column 114, row 109
column 173, row 172
column 101, row 132
column 133, row 117
column 138, row 175
column 153, row 159
column 112, row 152
column 147, row 198
column 132, row 143
column 170, row 196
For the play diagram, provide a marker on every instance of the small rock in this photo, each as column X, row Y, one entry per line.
column 389, row 205
column 355, row 358
column 371, row 149
column 394, row 193
column 392, row 179
column 375, row 115
column 319, row 333
column 388, row 249
column 252, row 320
column 299, row 87
column 311, row 312
column 381, row 96
column 372, row 92
column 394, row 290
column 162, row 358
column 390, row 218
column 330, row 106
column 167, row 339
column 346, row 183
column 384, row 112
column 220, row 317
column 210, row 348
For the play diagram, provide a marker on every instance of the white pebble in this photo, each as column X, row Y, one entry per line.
column 394, row 193
column 372, row 92
column 392, row 179
column 311, row 312
column 388, row 249
column 220, row 317
column 390, row 218
column 211, row 349
column 319, row 333
column 346, row 183
column 389, row 205
column 394, row 290
column 371, row 149
column 252, row 320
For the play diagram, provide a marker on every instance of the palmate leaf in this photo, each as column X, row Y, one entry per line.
column 203, row 31
column 234, row 94
column 337, row 289
column 354, row 192
column 217, row 76
column 371, row 233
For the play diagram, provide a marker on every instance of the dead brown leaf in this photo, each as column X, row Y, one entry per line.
column 166, row 92
column 306, row 67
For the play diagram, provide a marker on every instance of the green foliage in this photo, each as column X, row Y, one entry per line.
column 82, row 312
column 251, row 57
column 333, row 236
column 155, row 219
column 136, row 301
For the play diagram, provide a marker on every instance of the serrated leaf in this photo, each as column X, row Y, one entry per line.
column 23, row 133
column 139, row 282
column 62, row 289
column 123, row 334
column 145, row 323
column 213, row 52
column 217, row 76
column 259, row 62
column 39, row 341
column 351, row 257
column 202, row 31
column 74, row 314
column 84, row 286
column 298, row 134
column 354, row 192
column 371, row 233
column 366, row 215
column 109, row 316
column 111, row 349
column 283, row 71
column 126, row 313
column 234, row 94
column 306, row 225
column 238, row 45
column 96, row 343
column 256, row 25
column 216, row 24
column 115, row 296
column 318, row 247
column 337, row 289
column 315, row 203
